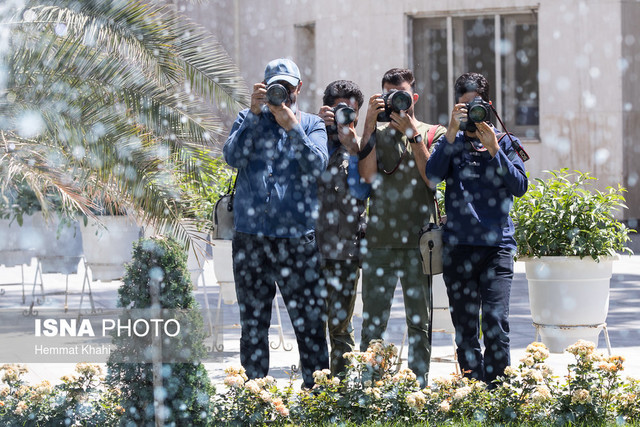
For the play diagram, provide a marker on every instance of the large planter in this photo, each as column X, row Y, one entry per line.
column 107, row 250
column 569, row 298
column 223, row 270
column 17, row 244
column 441, row 316
column 59, row 246
column 199, row 252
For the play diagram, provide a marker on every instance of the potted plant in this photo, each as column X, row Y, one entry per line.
column 61, row 249
column 108, row 241
column 568, row 235
column 136, row 122
column 57, row 236
column 17, row 241
column 199, row 202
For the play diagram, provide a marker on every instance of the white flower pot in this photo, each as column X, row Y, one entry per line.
column 59, row 248
column 223, row 269
column 441, row 317
column 17, row 244
column 569, row 298
column 198, row 254
column 108, row 250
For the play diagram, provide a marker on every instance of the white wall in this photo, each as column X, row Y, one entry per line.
column 580, row 88
column 580, row 49
column 631, row 112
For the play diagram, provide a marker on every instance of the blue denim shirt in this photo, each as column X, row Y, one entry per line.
column 479, row 192
column 276, row 190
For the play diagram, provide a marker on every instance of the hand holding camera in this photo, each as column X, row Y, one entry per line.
column 341, row 114
column 340, row 123
column 258, row 98
column 277, row 93
column 394, row 101
column 465, row 116
column 487, row 138
column 478, row 110
column 273, row 97
column 376, row 104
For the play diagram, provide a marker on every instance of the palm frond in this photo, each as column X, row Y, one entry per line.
column 109, row 102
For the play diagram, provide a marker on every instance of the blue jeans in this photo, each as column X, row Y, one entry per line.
column 479, row 278
column 259, row 263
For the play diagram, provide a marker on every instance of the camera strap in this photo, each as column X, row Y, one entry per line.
column 404, row 150
column 523, row 154
column 439, row 217
column 516, row 145
column 431, row 134
column 473, row 144
column 367, row 149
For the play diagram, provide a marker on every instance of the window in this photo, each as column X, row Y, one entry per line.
column 504, row 48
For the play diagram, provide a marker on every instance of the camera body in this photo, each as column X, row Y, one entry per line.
column 343, row 114
column 277, row 94
column 478, row 110
column 394, row 100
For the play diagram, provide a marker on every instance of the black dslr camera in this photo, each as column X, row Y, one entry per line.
column 277, row 94
column 478, row 111
column 394, row 100
column 343, row 114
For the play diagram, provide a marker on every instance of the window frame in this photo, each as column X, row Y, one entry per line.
column 512, row 16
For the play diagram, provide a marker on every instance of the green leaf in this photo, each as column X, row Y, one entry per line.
column 564, row 215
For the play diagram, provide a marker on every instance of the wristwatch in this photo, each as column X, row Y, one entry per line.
column 416, row 139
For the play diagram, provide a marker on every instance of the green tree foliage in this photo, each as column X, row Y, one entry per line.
column 112, row 101
column 161, row 263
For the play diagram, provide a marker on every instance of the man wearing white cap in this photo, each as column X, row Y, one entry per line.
column 279, row 152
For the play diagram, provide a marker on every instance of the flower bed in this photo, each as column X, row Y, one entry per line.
column 593, row 393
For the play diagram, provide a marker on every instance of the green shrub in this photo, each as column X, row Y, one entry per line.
column 81, row 399
column 592, row 394
column 565, row 216
column 186, row 387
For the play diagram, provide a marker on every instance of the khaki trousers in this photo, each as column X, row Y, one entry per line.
column 381, row 270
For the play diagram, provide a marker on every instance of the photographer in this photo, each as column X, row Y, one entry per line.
column 280, row 153
column 483, row 173
column 393, row 158
column 342, row 199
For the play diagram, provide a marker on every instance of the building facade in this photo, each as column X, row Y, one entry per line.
column 564, row 74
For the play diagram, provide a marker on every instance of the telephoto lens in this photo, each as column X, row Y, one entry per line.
column 277, row 94
column 400, row 100
column 343, row 114
column 394, row 100
column 478, row 110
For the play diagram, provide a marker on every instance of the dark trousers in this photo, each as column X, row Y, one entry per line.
column 381, row 269
column 479, row 278
column 341, row 277
column 259, row 263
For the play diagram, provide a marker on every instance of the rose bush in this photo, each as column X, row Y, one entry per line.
column 374, row 392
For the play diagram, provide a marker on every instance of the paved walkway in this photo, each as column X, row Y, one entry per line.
column 623, row 321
